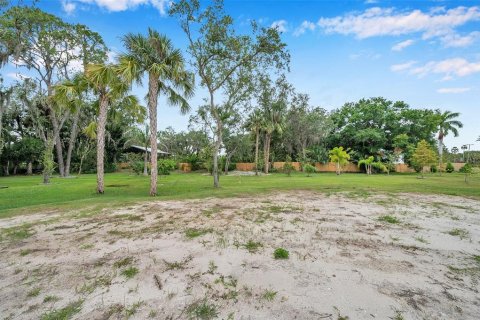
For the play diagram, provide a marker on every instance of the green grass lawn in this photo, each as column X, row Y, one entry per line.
column 29, row 195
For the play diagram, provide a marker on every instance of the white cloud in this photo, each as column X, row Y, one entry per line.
column 306, row 25
column 437, row 23
column 402, row 66
column 280, row 25
column 364, row 55
column 371, row 1
column 68, row 7
column 453, row 90
column 17, row 76
column 456, row 40
column 122, row 5
column 402, row 45
column 449, row 68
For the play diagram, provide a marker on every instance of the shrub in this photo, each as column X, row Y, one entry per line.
column 165, row 166
column 309, row 169
column 433, row 168
column 137, row 167
column 467, row 168
column 449, row 168
column 280, row 253
column 287, row 166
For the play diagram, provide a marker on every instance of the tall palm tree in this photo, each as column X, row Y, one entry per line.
column 446, row 123
column 255, row 124
column 274, row 117
column 105, row 81
column 155, row 55
column 70, row 93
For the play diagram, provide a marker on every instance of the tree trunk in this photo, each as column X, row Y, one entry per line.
column 152, row 110
column 267, row 152
column 216, row 179
column 338, row 168
column 102, row 121
column 257, row 134
column 80, row 166
column 15, row 166
column 58, row 144
column 145, row 164
column 440, row 155
column 29, row 168
column 71, row 142
column 227, row 162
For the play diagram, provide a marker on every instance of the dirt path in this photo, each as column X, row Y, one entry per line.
column 351, row 255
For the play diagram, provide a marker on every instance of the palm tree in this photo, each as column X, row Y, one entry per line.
column 446, row 123
column 274, row 118
column 69, row 93
column 339, row 156
column 105, row 81
column 255, row 124
column 155, row 55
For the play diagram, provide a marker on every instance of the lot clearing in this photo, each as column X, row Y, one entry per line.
column 352, row 255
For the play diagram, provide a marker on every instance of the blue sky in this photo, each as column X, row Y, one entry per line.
column 426, row 53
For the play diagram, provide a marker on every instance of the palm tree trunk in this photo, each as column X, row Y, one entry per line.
column 257, row 137
column 267, row 152
column 338, row 168
column 58, row 145
column 71, row 142
column 29, row 168
column 102, row 121
column 152, row 110
column 440, row 155
column 145, row 164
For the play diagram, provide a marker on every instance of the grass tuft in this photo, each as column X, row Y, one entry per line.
column 280, row 253
column 130, row 272
column 66, row 312
column 194, row 233
column 202, row 310
column 252, row 246
column 389, row 219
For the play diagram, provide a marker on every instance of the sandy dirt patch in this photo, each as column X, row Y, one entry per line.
column 354, row 255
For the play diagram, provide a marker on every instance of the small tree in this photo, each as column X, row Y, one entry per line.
column 423, row 156
column 367, row 163
column 287, row 166
column 309, row 169
column 339, row 156
column 449, row 168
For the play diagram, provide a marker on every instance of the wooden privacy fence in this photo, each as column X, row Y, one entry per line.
column 331, row 167
column 185, row 167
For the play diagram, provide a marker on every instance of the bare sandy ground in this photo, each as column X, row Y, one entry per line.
column 214, row 258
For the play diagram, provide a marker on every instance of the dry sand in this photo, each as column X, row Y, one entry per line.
column 344, row 261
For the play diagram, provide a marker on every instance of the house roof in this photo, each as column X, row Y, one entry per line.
column 149, row 150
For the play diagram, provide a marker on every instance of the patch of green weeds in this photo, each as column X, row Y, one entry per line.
column 194, row 233
column 50, row 298
column 422, row 240
column 269, row 295
column 66, row 312
column 461, row 233
column 389, row 219
column 280, row 253
column 252, row 246
column 33, row 293
column 130, row 311
column 130, row 272
column 202, row 310
column 177, row 265
column 123, row 262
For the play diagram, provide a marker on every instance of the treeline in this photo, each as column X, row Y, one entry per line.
column 71, row 110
